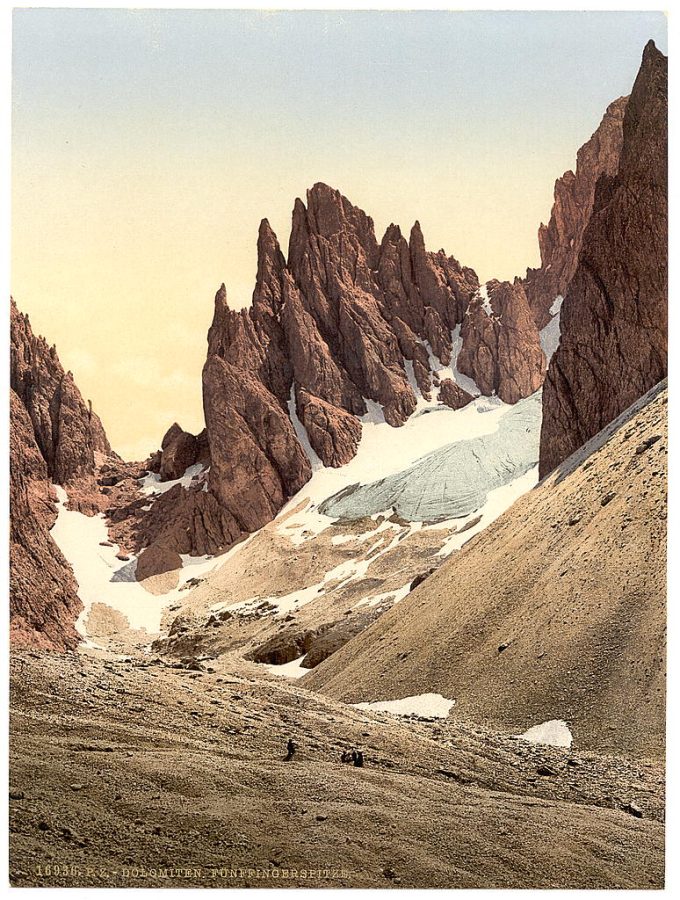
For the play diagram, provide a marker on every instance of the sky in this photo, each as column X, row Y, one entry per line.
column 147, row 146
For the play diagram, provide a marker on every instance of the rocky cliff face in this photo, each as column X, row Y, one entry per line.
column 43, row 594
column 560, row 240
column 501, row 348
column 54, row 438
column 343, row 321
column 614, row 318
column 66, row 430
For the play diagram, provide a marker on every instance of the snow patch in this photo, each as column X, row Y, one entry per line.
column 467, row 383
column 103, row 578
column 303, row 526
column 486, row 302
column 550, row 335
column 301, row 432
column 497, row 501
column 395, row 596
column 79, row 537
column 554, row 733
column 430, row 706
column 292, row 669
column 411, row 375
column 151, row 483
column 557, row 305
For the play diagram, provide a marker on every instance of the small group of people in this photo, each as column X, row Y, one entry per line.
column 356, row 757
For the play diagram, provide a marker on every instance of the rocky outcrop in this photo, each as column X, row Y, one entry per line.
column 55, row 437
column 453, row 395
column 180, row 450
column 343, row 321
column 317, row 644
column 501, row 348
column 333, row 433
column 614, row 317
column 560, row 240
column 256, row 460
column 66, row 431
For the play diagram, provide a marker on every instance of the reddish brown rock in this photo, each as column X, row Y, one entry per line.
column 54, row 437
column 401, row 299
column 65, row 429
column 445, row 289
column 453, row 395
column 333, row 433
column 560, row 240
column 257, row 461
column 43, row 597
column 501, row 349
column 344, row 320
column 157, row 559
column 333, row 258
column 314, row 368
column 614, row 318
column 180, row 520
column 179, row 451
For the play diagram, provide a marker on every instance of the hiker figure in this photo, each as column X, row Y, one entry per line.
column 348, row 756
column 358, row 758
column 291, row 747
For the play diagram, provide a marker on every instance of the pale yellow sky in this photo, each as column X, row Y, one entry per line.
column 147, row 148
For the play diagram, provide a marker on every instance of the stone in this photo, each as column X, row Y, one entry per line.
column 560, row 240
column 179, row 451
column 333, row 433
column 614, row 319
column 453, row 395
column 501, row 348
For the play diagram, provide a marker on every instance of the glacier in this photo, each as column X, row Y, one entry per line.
column 451, row 481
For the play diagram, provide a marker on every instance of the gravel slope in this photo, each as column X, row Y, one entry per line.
column 123, row 769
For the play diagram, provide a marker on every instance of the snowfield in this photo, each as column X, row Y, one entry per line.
column 102, row 578
column 550, row 335
column 426, row 706
column 292, row 669
column 151, row 483
column 385, row 451
column 453, row 481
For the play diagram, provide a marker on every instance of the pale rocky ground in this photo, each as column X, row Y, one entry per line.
column 123, row 767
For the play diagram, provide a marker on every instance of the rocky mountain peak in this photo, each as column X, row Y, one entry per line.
column 335, row 325
column 614, row 318
column 560, row 240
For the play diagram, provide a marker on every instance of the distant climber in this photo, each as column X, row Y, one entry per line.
column 356, row 757
column 291, row 747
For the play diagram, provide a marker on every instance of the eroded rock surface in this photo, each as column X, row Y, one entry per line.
column 560, row 240
column 501, row 348
column 614, row 318
column 55, row 437
column 343, row 321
